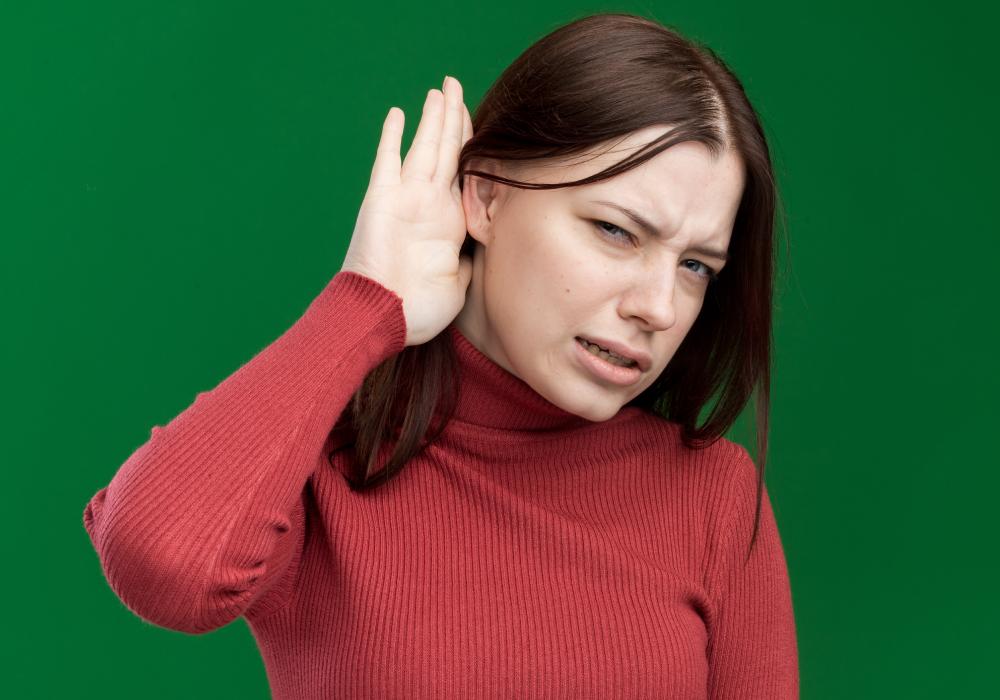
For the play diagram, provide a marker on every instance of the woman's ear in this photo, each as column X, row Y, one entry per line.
column 480, row 202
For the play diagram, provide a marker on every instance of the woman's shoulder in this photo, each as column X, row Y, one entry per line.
column 669, row 434
column 717, row 458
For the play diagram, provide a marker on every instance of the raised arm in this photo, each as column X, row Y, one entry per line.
column 204, row 517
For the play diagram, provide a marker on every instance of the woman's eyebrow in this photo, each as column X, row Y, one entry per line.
column 638, row 218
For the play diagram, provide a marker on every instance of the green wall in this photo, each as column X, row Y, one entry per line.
column 178, row 180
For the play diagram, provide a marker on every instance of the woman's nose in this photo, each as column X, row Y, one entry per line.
column 653, row 302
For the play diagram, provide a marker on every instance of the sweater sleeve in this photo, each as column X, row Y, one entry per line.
column 203, row 518
column 752, row 647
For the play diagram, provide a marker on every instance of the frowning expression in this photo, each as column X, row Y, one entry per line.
column 627, row 260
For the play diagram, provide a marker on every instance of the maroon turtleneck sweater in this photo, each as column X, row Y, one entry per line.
column 527, row 553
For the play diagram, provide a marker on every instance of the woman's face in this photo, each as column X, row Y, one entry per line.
column 545, row 272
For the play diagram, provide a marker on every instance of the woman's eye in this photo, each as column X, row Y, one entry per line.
column 708, row 273
column 618, row 234
column 607, row 234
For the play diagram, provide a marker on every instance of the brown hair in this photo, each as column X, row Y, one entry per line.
column 570, row 91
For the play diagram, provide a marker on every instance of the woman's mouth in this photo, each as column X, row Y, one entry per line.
column 605, row 366
column 595, row 349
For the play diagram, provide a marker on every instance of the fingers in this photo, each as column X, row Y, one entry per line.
column 421, row 160
column 444, row 128
column 466, row 135
column 451, row 133
column 386, row 168
column 466, row 124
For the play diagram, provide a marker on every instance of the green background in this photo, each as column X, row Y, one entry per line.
column 180, row 179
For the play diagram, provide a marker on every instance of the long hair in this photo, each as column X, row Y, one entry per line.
column 593, row 80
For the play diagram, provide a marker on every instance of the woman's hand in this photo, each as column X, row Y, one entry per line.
column 411, row 225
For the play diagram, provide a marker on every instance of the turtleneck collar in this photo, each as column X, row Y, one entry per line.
column 490, row 396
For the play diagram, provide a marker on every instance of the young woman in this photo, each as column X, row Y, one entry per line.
column 472, row 468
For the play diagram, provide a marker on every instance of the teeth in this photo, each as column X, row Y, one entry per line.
column 611, row 357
